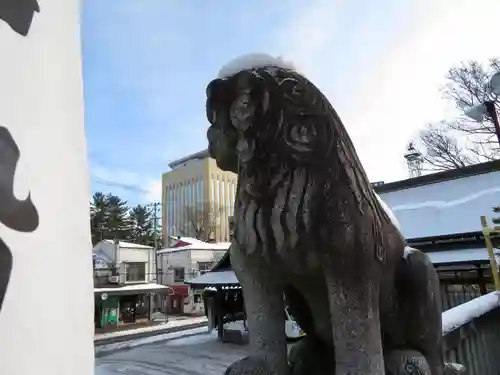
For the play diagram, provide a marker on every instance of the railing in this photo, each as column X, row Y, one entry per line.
column 471, row 334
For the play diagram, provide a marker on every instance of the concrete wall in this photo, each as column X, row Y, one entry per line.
column 447, row 207
column 188, row 260
column 127, row 254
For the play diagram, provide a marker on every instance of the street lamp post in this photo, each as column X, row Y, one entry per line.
column 487, row 108
column 492, row 113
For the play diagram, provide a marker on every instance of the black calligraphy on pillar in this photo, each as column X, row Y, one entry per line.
column 18, row 215
column 18, row 14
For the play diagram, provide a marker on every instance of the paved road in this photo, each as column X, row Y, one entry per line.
column 195, row 355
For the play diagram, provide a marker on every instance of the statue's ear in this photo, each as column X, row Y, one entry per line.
column 213, row 91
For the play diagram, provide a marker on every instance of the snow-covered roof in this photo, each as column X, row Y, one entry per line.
column 148, row 287
column 252, row 61
column 198, row 246
column 461, row 256
column 215, row 278
column 190, row 240
column 445, row 207
column 225, row 287
column 127, row 245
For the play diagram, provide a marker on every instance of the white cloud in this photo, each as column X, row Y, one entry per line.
column 125, row 183
column 154, row 190
column 385, row 79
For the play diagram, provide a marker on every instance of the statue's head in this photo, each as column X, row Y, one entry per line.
column 276, row 129
column 266, row 113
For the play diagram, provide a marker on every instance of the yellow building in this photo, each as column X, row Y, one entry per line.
column 197, row 199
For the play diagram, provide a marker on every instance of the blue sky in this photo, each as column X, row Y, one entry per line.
column 147, row 62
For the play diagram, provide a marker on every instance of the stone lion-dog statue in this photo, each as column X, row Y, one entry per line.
column 309, row 226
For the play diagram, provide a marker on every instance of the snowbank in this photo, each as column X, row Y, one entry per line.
column 252, row 61
column 107, row 348
column 466, row 312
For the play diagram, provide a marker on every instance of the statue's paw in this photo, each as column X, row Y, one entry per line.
column 406, row 362
column 249, row 366
column 453, row 369
column 310, row 357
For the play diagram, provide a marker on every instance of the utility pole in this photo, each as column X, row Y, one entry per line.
column 154, row 209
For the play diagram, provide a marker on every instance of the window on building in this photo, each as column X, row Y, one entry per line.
column 179, row 274
column 204, row 267
column 136, row 271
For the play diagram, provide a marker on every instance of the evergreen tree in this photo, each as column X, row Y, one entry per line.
column 143, row 231
column 109, row 218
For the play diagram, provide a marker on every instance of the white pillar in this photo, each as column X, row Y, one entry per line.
column 46, row 318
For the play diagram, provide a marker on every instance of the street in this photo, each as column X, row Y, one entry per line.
column 201, row 354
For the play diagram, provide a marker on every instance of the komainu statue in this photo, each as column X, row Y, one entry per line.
column 309, row 226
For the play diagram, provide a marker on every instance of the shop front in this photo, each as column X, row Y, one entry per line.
column 129, row 306
column 178, row 296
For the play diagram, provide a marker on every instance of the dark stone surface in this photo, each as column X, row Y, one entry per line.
column 308, row 224
column 235, row 336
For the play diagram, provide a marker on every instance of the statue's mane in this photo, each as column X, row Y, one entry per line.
column 303, row 170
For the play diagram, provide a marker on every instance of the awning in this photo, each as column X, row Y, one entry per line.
column 133, row 289
column 462, row 256
column 180, row 290
column 215, row 278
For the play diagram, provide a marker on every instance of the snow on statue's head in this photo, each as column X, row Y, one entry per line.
column 240, row 96
column 252, row 61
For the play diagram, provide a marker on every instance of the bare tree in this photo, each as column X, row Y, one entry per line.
column 202, row 221
column 441, row 150
column 467, row 85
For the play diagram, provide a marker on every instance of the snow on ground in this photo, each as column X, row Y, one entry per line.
column 195, row 339
column 112, row 347
column 156, row 328
column 466, row 312
column 252, row 61
column 202, row 354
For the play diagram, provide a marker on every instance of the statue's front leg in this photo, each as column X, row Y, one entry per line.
column 354, row 308
column 264, row 304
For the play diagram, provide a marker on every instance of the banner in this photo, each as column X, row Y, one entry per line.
column 46, row 291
